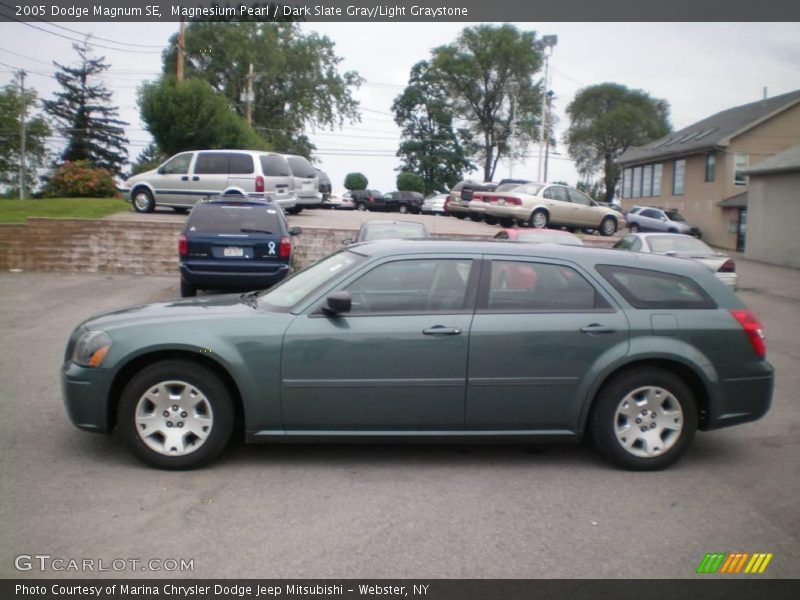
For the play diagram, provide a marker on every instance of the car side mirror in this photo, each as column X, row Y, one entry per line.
column 295, row 230
column 348, row 241
column 161, row 171
column 338, row 302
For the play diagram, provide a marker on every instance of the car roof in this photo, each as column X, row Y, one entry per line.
column 237, row 199
column 386, row 222
column 584, row 255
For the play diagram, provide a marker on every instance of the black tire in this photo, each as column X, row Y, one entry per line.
column 506, row 223
column 490, row 220
column 403, row 209
column 216, row 396
column 605, row 419
column 634, row 228
column 475, row 217
column 459, row 215
column 608, row 226
column 187, row 290
column 142, row 201
column 539, row 219
column 295, row 210
column 180, row 211
column 360, row 206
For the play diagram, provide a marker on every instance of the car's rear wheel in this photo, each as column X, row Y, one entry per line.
column 361, row 206
column 490, row 220
column 608, row 226
column 476, row 217
column 539, row 219
column 634, row 228
column 176, row 415
column 295, row 210
column 143, row 201
column 187, row 290
column 644, row 419
column 459, row 215
column 506, row 223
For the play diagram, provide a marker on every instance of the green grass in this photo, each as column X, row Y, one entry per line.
column 16, row 211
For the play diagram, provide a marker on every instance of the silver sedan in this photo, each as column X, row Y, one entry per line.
column 683, row 246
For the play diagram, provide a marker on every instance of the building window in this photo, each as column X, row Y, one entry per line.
column 711, row 161
column 740, row 163
column 647, row 180
column 657, row 172
column 637, row 182
column 627, row 175
column 678, row 177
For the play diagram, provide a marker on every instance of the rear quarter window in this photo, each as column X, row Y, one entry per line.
column 273, row 165
column 241, row 164
column 645, row 288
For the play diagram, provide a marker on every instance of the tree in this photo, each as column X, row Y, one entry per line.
column 297, row 82
column 489, row 75
column 430, row 147
column 595, row 189
column 410, row 182
column 148, row 159
column 85, row 116
column 607, row 119
column 36, row 132
column 355, row 181
column 189, row 115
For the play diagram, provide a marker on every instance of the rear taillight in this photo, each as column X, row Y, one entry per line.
column 183, row 246
column 477, row 196
column 285, row 247
column 259, row 184
column 753, row 328
column 728, row 267
column 514, row 201
column 370, row 199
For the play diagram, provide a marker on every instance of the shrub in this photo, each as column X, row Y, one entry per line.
column 410, row 182
column 355, row 181
column 80, row 179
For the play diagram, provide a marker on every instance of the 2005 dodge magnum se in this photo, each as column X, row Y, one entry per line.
column 433, row 340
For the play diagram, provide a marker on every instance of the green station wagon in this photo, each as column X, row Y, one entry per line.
column 431, row 340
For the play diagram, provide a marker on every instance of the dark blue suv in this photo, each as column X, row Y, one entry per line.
column 234, row 243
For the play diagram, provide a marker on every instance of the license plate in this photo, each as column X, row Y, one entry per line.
column 233, row 251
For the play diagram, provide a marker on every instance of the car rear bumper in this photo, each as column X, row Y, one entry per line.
column 251, row 275
column 85, row 395
column 309, row 200
column 729, row 279
column 457, row 207
column 507, row 212
column 742, row 399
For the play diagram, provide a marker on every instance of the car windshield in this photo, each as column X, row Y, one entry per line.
column 678, row 243
column 674, row 215
column 393, row 231
column 301, row 284
column 566, row 239
column 233, row 218
column 506, row 187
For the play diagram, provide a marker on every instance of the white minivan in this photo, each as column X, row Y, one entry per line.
column 305, row 183
column 188, row 177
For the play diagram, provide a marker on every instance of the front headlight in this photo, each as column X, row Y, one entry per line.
column 91, row 349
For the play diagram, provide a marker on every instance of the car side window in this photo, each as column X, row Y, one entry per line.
column 644, row 288
column 212, row 163
column 274, row 165
column 650, row 213
column 517, row 286
column 179, row 165
column 412, row 286
column 636, row 245
column 625, row 243
column 556, row 192
column 241, row 164
column 579, row 197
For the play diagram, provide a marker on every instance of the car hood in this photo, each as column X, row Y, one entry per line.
column 228, row 304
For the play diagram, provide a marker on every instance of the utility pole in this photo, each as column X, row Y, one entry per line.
column 22, row 134
column 513, row 88
column 546, row 45
column 250, row 95
column 181, row 45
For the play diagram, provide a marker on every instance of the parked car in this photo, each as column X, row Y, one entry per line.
column 388, row 230
column 325, row 187
column 231, row 243
column 539, row 236
column 402, row 202
column 683, row 246
column 479, row 201
column 188, row 177
column 541, row 205
column 305, row 183
column 646, row 218
column 457, row 205
column 473, row 195
column 338, row 202
column 435, row 205
column 413, row 339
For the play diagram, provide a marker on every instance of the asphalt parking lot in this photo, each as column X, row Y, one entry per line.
column 416, row 511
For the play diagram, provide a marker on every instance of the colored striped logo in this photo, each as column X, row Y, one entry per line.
column 735, row 562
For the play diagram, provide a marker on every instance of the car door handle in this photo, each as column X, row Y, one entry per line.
column 185, row 178
column 195, row 178
column 441, row 330
column 596, row 329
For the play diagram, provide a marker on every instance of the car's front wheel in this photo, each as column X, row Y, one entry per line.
column 403, row 209
column 608, row 226
column 634, row 228
column 176, row 415
column 644, row 419
column 143, row 201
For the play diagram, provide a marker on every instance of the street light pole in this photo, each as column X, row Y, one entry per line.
column 22, row 134
column 546, row 45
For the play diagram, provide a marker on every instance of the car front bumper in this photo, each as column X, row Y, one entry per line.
column 85, row 394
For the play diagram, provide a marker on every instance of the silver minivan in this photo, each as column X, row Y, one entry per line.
column 191, row 176
column 306, row 183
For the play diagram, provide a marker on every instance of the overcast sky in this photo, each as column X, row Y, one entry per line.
column 699, row 68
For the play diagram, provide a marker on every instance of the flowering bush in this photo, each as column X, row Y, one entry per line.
column 80, row 179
